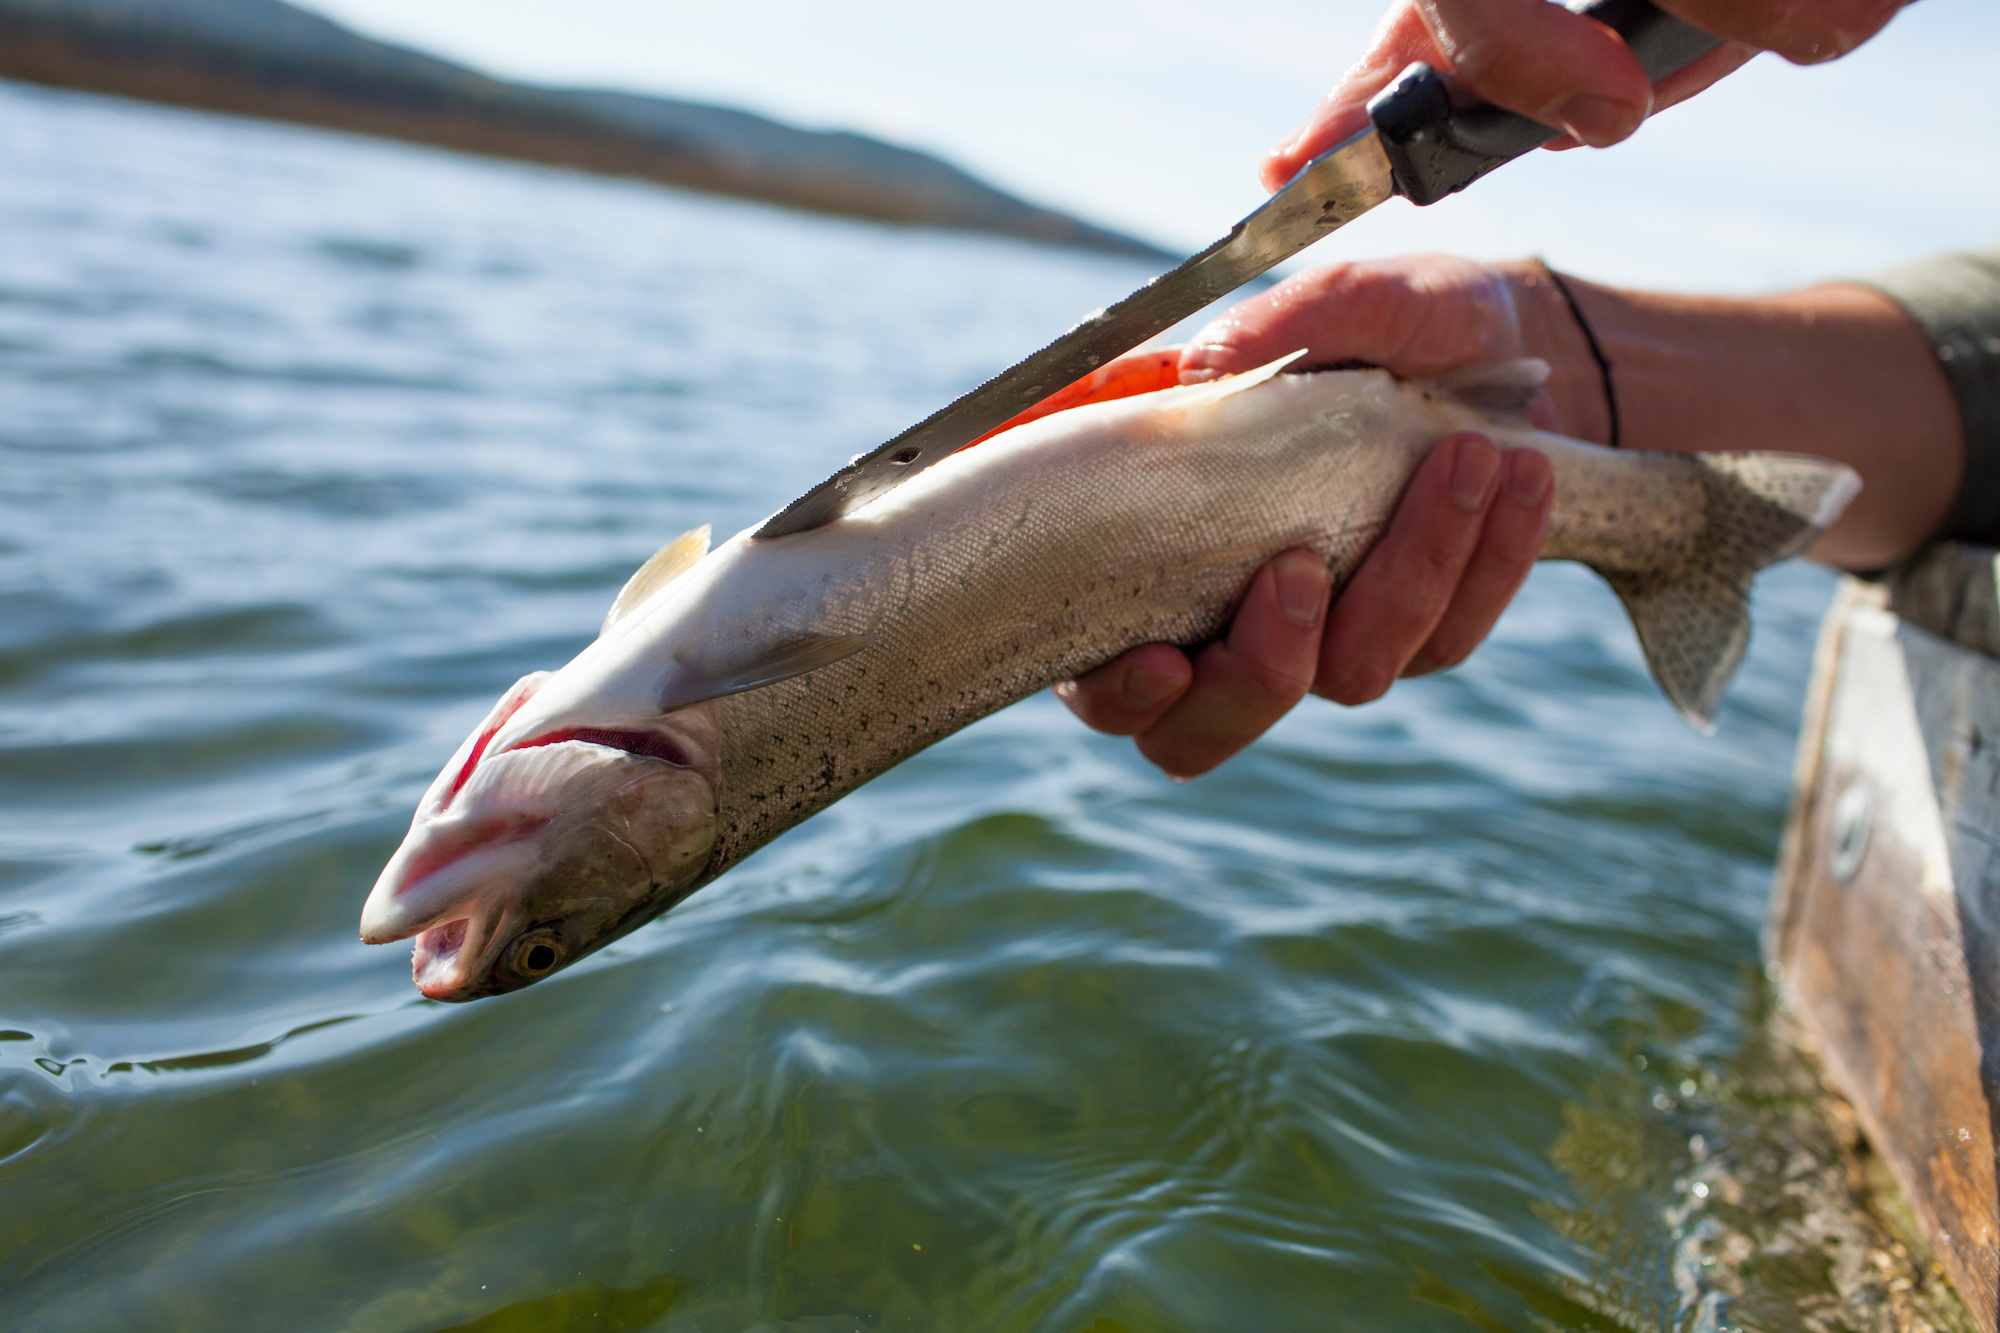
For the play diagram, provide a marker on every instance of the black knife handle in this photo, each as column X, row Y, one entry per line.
column 1438, row 146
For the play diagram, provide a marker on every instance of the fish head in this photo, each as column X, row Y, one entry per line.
column 540, row 843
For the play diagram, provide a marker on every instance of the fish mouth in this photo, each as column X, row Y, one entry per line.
column 452, row 859
column 475, row 862
column 545, row 844
column 423, row 887
column 449, row 957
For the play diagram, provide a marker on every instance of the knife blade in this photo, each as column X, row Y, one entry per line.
column 1426, row 140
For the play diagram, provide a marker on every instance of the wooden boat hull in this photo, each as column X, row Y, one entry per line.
column 1885, row 926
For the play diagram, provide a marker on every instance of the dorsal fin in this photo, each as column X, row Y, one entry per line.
column 1501, row 389
column 668, row 563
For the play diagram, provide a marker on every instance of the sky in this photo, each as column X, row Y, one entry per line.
column 1150, row 116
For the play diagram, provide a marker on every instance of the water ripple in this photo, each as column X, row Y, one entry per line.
column 314, row 445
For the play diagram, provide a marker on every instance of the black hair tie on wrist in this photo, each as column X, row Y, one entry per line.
column 1596, row 351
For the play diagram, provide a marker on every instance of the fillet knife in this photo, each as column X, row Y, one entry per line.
column 1426, row 140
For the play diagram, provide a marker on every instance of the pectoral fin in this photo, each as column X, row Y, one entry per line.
column 791, row 657
column 668, row 563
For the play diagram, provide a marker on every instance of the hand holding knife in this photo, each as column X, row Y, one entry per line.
column 1424, row 143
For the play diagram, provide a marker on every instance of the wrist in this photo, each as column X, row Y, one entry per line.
column 1837, row 371
column 1575, row 404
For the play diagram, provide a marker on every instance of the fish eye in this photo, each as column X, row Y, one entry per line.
column 537, row 953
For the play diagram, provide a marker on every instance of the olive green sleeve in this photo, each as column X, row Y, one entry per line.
column 1955, row 299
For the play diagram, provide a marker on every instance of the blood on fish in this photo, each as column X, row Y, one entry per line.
column 642, row 743
column 502, row 715
column 1133, row 373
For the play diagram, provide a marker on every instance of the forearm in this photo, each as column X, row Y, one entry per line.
column 1836, row 370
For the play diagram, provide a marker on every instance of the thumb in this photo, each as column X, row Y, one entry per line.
column 1528, row 56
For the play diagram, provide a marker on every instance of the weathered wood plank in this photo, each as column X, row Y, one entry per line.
column 1949, row 590
column 1887, row 918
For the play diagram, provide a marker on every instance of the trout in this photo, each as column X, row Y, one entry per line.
column 732, row 693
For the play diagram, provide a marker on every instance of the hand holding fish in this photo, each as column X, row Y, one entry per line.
column 1837, row 371
column 1538, row 59
column 1461, row 542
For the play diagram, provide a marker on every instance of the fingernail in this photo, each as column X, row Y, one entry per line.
column 1528, row 477
column 1473, row 473
column 1598, row 121
column 1144, row 689
column 1303, row 588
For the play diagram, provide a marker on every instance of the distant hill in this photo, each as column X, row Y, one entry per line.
column 266, row 58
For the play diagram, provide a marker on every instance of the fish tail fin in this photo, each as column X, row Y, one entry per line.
column 1694, row 619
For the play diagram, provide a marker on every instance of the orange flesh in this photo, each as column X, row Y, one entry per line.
column 1135, row 372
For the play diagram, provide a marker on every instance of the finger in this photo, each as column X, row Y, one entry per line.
column 1696, row 76
column 1413, row 314
column 1802, row 34
column 1245, row 683
column 1127, row 694
column 1509, row 544
column 1400, row 38
column 1542, row 61
column 1525, row 55
column 1701, row 73
column 1396, row 599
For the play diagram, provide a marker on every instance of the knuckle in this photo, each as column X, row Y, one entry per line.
column 1091, row 708
column 1478, row 55
column 1352, row 688
column 1481, row 46
column 1283, row 683
column 1435, row 568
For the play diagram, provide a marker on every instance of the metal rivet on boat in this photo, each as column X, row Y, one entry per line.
column 1853, row 815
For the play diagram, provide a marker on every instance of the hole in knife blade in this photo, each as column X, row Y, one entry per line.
column 904, row 457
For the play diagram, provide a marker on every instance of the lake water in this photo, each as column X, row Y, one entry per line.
column 1408, row 1018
